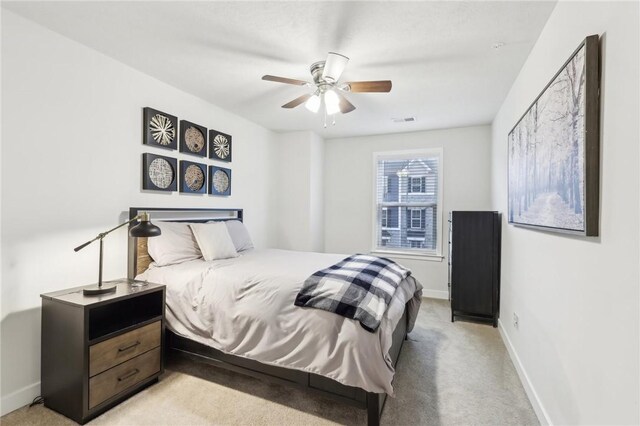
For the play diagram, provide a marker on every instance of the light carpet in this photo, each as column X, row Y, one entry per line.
column 448, row 374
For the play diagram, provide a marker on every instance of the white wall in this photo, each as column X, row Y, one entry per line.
column 71, row 167
column 348, row 182
column 299, row 191
column 577, row 298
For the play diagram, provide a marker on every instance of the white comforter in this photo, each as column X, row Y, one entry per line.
column 244, row 306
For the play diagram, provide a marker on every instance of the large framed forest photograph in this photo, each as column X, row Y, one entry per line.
column 554, row 151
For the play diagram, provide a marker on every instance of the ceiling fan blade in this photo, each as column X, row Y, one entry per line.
column 297, row 101
column 345, row 105
column 285, row 80
column 334, row 66
column 369, row 86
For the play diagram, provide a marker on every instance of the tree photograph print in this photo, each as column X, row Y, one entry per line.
column 546, row 154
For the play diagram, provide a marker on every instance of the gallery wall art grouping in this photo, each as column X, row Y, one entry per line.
column 161, row 173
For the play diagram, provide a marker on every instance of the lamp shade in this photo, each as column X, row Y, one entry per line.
column 313, row 103
column 333, row 66
column 145, row 228
column 331, row 102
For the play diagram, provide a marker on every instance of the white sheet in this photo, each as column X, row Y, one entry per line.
column 244, row 306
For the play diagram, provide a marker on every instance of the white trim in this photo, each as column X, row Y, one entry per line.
column 541, row 413
column 422, row 181
column 416, row 239
column 435, row 294
column 411, row 219
column 390, row 155
column 430, row 257
column 19, row 398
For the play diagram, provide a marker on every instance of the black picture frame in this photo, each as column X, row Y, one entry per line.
column 215, row 137
column 186, row 143
column 155, row 119
column 186, row 184
column 159, row 182
column 554, row 151
column 213, row 186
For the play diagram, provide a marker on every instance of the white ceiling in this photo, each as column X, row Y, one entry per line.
column 439, row 55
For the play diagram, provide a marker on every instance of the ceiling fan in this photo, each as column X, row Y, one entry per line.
column 327, row 88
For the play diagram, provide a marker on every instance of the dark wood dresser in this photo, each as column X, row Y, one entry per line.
column 100, row 350
column 474, row 265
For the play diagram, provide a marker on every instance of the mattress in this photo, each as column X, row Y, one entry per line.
column 245, row 306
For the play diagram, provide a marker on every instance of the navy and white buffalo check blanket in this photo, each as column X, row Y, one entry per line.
column 359, row 287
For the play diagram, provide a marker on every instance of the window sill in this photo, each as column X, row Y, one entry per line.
column 409, row 256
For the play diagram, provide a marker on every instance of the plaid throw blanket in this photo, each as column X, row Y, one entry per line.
column 359, row 287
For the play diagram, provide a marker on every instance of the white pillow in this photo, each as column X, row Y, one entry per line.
column 214, row 240
column 176, row 244
column 239, row 235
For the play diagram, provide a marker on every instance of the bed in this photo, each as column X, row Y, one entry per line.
column 238, row 314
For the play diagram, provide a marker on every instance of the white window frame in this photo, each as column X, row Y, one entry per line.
column 410, row 189
column 384, row 218
column 386, row 184
column 387, row 228
column 421, row 254
column 411, row 219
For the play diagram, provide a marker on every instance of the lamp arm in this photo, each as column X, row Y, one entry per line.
column 104, row 234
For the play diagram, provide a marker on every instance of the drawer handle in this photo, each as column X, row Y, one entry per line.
column 128, row 375
column 133, row 345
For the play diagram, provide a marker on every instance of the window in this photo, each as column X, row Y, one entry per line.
column 416, row 184
column 385, row 217
column 415, row 243
column 408, row 199
column 416, row 218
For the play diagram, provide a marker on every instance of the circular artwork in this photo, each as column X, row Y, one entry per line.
column 162, row 129
column 194, row 177
column 221, row 146
column 220, row 181
column 194, row 139
column 161, row 173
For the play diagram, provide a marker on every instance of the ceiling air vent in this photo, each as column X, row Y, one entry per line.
column 403, row 120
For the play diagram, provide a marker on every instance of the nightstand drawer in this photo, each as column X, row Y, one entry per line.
column 119, row 378
column 105, row 355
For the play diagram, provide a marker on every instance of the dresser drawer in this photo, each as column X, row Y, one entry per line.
column 105, row 355
column 119, row 378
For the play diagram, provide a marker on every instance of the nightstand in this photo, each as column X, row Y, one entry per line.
column 99, row 350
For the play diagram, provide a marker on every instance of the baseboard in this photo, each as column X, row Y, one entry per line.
column 19, row 398
column 543, row 417
column 435, row 294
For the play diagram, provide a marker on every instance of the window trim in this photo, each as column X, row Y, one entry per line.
column 411, row 219
column 422, row 182
column 387, row 228
column 384, row 218
column 409, row 253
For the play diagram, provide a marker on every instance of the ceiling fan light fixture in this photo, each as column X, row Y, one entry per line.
column 334, row 66
column 313, row 103
column 331, row 102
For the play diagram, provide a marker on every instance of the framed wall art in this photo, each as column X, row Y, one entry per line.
column 193, row 138
column 159, row 129
column 159, row 173
column 219, row 146
column 554, row 151
column 193, row 177
column 219, row 181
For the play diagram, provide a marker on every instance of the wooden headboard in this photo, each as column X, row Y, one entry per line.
column 138, row 254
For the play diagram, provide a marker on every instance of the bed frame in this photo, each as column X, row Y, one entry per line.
column 139, row 261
